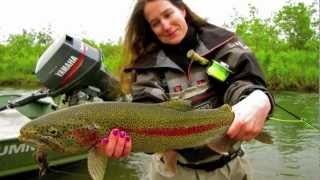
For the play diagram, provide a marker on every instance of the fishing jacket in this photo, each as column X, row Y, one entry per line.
column 167, row 74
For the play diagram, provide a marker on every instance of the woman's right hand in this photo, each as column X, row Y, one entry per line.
column 117, row 144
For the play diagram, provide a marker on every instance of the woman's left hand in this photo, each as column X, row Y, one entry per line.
column 250, row 116
column 116, row 145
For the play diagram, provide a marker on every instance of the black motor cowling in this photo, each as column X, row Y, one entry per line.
column 71, row 67
column 70, row 64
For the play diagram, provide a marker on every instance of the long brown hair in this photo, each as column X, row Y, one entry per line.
column 140, row 40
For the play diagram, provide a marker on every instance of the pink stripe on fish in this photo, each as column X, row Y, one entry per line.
column 172, row 131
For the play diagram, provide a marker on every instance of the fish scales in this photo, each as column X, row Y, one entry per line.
column 153, row 128
column 146, row 123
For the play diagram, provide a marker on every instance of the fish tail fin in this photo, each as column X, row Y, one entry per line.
column 264, row 137
column 221, row 145
column 97, row 164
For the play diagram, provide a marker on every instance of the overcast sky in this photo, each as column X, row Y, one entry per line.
column 105, row 20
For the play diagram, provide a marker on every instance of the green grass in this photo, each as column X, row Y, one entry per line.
column 284, row 70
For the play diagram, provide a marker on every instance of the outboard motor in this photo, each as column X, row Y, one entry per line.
column 70, row 65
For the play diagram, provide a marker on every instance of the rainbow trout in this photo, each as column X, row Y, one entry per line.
column 153, row 128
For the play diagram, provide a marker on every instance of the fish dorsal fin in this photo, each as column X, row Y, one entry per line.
column 225, row 108
column 180, row 105
column 97, row 164
column 264, row 137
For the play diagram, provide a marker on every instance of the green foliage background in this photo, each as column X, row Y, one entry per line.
column 286, row 46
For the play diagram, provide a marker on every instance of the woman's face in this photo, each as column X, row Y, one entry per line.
column 166, row 21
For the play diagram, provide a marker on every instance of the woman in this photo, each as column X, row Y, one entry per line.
column 159, row 34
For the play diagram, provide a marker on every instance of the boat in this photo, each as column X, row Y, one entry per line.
column 69, row 68
column 17, row 157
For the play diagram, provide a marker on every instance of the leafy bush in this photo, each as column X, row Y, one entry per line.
column 289, row 61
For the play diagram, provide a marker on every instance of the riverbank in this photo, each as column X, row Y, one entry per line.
column 20, row 84
column 286, row 47
column 34, row 84
column 28, row 81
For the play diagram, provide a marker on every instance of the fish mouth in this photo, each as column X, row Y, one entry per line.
column 29, row 141
column 45, row 142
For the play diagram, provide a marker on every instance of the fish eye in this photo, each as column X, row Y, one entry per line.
column 53, row 131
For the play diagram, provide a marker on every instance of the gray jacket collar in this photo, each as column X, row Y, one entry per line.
column 161, row 60
column 210, row 38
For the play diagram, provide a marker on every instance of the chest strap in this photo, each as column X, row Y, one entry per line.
column 213, row 165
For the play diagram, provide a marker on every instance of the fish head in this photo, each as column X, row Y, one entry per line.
column 61, row 135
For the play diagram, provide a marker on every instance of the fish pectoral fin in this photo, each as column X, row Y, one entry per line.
column 165, row 163
column 222, row 145
column 97, row 164
column 40, row 156
column 264, row 137
column 180, row 105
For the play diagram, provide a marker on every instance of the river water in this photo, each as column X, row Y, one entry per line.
column 295, row 154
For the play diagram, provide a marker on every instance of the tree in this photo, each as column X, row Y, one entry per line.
column 257, row 33
column 296, row 25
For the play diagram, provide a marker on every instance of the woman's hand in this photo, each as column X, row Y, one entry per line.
column 118, row 144
column 250, row 115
